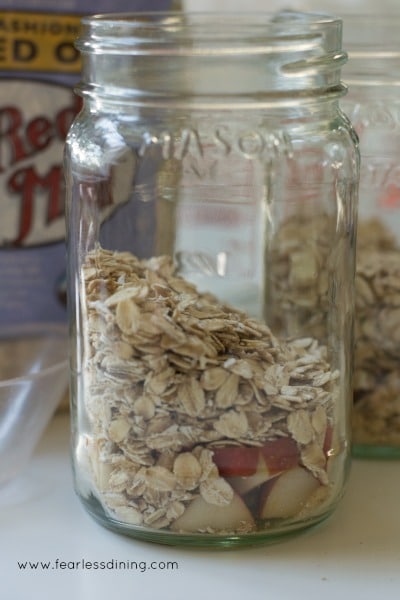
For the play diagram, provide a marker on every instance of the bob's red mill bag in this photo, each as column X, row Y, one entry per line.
column 39, row 66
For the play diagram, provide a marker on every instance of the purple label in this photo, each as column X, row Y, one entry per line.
column 33, row 285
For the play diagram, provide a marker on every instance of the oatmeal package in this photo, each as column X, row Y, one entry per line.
column 39, row 66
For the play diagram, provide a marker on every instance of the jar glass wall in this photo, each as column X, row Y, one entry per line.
column 373, row 105
column 212, row 186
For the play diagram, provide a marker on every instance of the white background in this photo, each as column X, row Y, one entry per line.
column 355, row 555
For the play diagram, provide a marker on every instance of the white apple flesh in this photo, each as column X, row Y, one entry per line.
column 200, row 515
column 287, row 494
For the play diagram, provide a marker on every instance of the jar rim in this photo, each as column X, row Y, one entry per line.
column 219, row 18
column 210, row 58
column 220, row 32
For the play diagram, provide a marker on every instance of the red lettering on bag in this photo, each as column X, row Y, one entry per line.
column 26, row 182
column 19, row 140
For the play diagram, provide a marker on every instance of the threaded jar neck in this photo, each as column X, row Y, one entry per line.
column 209, row 59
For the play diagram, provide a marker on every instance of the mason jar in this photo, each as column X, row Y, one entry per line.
column 373, row 105
column 212, row 186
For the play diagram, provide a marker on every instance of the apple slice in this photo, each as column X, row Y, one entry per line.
column 248, row 467
column 236, row 461
column 200, row 515
column 280, row 455
column 285, row 495
column 243, row 485
column 243, row 466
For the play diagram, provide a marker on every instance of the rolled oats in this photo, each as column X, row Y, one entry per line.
column 376, row 414
column 300, row 427
column 187, row 470
column 226, row 394
column 174, row 375
column 217, row 491
column 213, row 378
column 128, row 514
column 160, row 478
column 299, row 292
column 118, row 430
column 232, row 424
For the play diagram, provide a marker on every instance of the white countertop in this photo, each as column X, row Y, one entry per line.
column 354, row 555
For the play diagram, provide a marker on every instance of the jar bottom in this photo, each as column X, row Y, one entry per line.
column 375, row 451
column 199, row 540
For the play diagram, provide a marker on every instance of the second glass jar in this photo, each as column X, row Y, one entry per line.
column 373, row 105
column 212, row 186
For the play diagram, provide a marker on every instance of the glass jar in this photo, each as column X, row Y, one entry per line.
column 373, row 105
column 211, row 202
